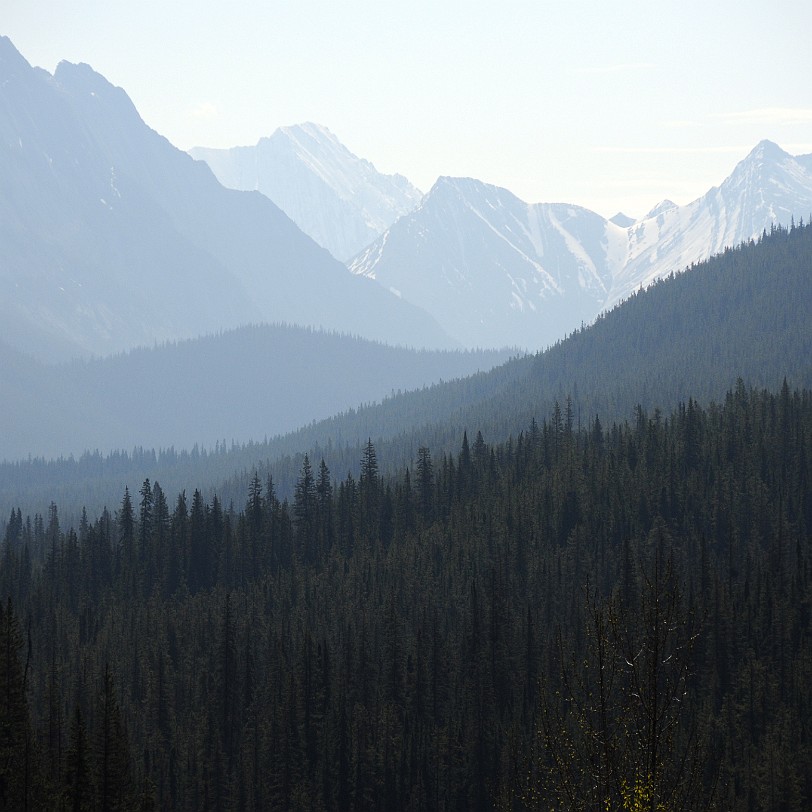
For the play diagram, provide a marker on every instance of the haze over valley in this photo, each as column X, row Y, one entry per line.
column 117, row 240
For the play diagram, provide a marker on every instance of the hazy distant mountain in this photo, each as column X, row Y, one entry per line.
column 340, row 200
column 495, row 270
column 806, row 162
column 622, row 220
column 768, row 187
column 242, row 385
column 113, row 238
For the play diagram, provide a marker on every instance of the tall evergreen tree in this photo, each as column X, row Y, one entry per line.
column 77, row 792
column 114, row 789
column 125, row 553
column 425, row 484
column 305, row 512
column 19, row 777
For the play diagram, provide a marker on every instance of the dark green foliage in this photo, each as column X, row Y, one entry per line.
column 305, row 513
column 619, row 729
column 322, row 656
column 20, row 782
column 114, row 790
column 77, row 795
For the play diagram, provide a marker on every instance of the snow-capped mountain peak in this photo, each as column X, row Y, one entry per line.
column 768, row 186
column 492, row 264
column 662, row 207
column 323, row 154
column 337, row 198
column 767, row 150
column 771, row 179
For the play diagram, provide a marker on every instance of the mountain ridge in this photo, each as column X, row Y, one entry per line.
column 487, row 247
column 247, row 383
column 767, row 187
column 108, row 227
column 566, row 264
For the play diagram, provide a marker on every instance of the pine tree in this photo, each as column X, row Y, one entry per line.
column 369, row 491
column 77, row 792
column 324, row 491
column 305, row 512
column 201, row 546
column 19, row 777
column 425, row 484
column 145, row 522
column 114, row 789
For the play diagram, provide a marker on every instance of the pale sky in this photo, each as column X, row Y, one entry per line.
column 612, row 106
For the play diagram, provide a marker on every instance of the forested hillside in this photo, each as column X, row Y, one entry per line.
column 239, row 385
column 743, row 314
column 605, row 617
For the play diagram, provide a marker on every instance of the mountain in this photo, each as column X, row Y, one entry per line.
column 495, row 270
column 237, row 386
column 113, row 238
column 338, row 199
column 768, row 187
column 740, row 314
column 622, row 220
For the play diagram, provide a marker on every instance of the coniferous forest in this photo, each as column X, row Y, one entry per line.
column 610, row 616
column 283, row 531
